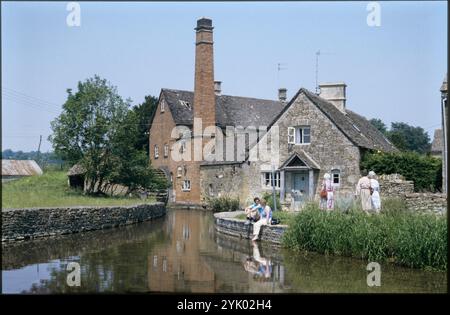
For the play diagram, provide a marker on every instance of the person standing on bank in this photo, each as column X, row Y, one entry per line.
column 375, row 191
column 326, row 194
column 363, row 191
column 266, row 218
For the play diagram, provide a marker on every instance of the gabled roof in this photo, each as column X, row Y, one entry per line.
column 355, row 127
column 20, row 168
column 300, row 159
column 438, row 141
column 230, row 110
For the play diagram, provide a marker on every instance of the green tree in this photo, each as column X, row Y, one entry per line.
column 409, row 138
column 97, row 130
column 144, row 114
column 380, row 125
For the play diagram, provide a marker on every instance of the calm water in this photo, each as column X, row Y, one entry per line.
column 182, row 253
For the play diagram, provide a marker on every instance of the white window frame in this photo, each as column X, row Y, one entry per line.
column 266, row 180
column 186, row 185
column 166, row 150
column 156, row 151
column 301, row 130
column 179, row 171
column 338, row 173
column 291, row 135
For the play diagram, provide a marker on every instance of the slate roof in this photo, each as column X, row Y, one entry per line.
column 438, row 141
column 230, row 110
column 244, row 111
column 356, row 127
column 20, row 168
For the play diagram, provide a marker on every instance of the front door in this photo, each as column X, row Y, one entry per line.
column 300, row 187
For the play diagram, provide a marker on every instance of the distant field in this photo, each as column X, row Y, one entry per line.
column 51, row 190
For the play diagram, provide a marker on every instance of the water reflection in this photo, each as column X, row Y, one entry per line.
column 182, row 253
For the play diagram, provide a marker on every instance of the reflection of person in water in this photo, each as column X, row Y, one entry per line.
column 260, row 267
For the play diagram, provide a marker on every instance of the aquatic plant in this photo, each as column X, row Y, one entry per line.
column 396, row 235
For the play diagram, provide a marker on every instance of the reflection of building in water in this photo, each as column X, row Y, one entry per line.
column 178, row 267
column 194, row 262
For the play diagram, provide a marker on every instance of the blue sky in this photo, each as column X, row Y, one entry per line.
column 392, row 72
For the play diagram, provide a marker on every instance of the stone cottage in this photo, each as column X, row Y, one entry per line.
column 288, row 145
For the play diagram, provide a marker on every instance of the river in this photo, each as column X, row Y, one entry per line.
column 182, row 253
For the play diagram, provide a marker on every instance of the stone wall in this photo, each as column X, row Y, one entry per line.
column 395, row 185
column 19, row 224
column 427, row 202
column 227, row 223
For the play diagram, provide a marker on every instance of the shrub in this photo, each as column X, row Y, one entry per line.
column 425, row 171
column 269, row 198
column 223, row 204
column 410, row 239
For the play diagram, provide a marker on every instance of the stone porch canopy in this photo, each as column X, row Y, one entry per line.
column 299, row 160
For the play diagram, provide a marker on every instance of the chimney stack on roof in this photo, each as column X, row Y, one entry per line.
column 218, row 87
column 334, row 93
column 282, row 96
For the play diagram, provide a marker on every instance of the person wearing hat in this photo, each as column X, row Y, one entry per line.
column 326, row 195
column 375, row 191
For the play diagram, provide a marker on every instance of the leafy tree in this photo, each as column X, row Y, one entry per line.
column 404, row 136
column 409, row 138
column 97, row 130
column 379, row 124
column 144, row 114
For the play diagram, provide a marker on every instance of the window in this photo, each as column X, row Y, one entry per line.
column 336, row 177
column 156, row 151
column 299, row 135
column 163, row 106
column 179, row 171
column 268, row 181
column 185, row 104
column 183, row 146
column 186, row 185
column 166, row 150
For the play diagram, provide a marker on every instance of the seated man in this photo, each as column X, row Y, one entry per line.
column 253, row 211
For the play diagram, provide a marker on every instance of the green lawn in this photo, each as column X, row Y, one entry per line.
column 51, row 190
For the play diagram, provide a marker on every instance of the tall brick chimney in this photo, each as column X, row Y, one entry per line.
column 204, row 95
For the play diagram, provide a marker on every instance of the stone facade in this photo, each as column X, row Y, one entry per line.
column 335, row 154
column 226, row 223
column 18, row 224
column 427, row 203
column 395, row 185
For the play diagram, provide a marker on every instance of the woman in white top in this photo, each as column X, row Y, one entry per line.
column 327, row 185
column 375, row 188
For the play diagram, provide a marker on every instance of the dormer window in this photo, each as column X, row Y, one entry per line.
column 299, row 135
column 185, row 104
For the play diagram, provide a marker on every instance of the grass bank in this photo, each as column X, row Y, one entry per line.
column 398, row 236
column 51, row 190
